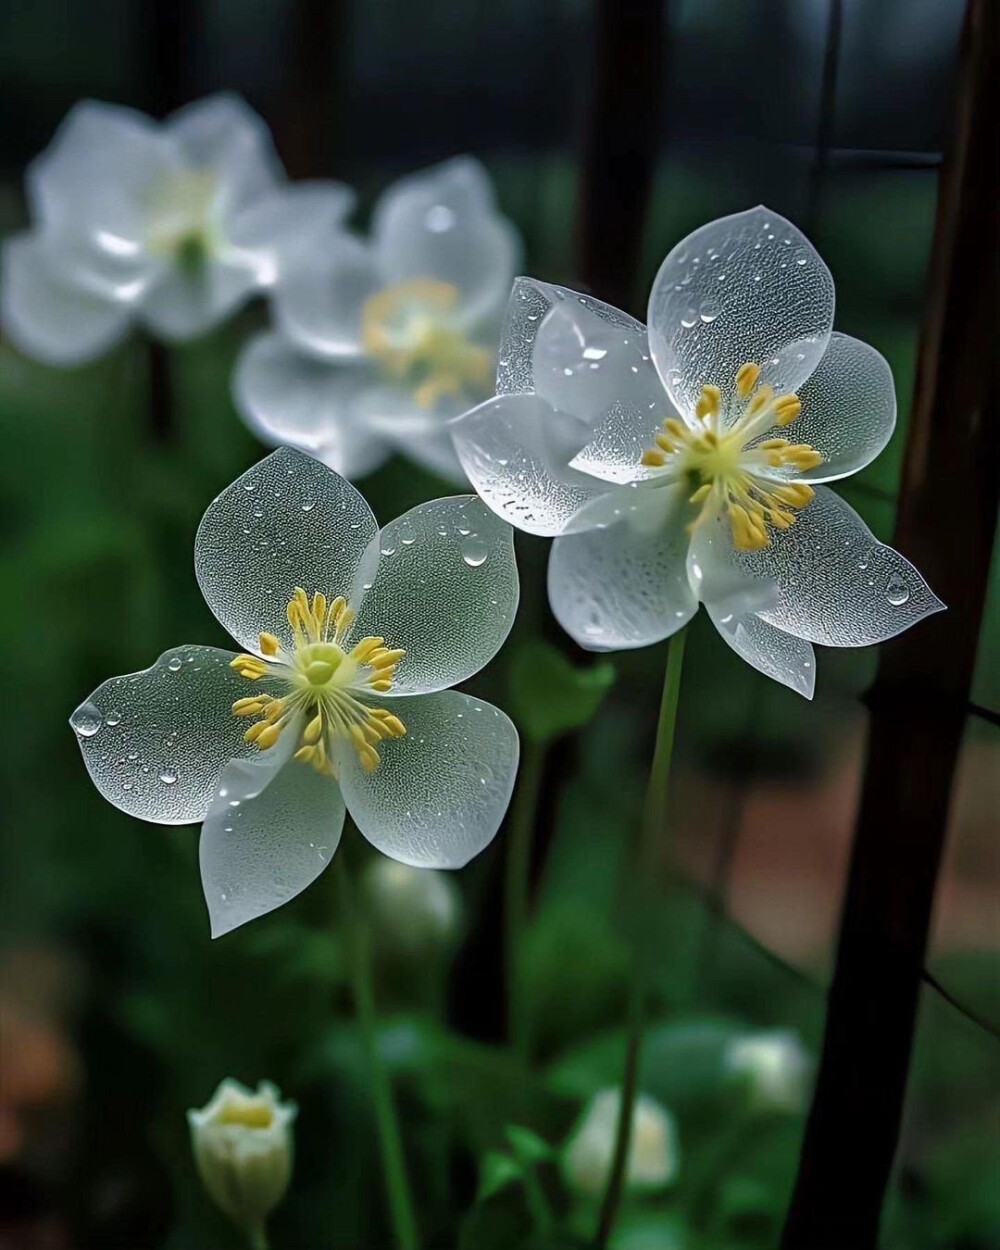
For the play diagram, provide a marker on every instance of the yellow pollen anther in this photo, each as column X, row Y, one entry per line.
column 787, row 408
column 652, row 458
column 252, row 667
column 746, row 379
column 701, row 494
column 269, row 644
column 709, row 401
column 269, row 737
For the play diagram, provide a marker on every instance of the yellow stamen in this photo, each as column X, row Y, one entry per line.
column 787, row 408
column 709, row 401
column 746, row 378
column 653, row 459
column 269, row 644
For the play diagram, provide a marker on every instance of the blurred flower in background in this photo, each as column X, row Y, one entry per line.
column 376, row 343
column 653, row 1156
column 413, row 910
column 775, row 1068
column 173, row 225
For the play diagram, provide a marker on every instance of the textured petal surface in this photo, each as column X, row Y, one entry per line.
column 440, row 793
column 289, row 521
column 787, row 659
column 318, row 304
column 45, row 318
column 271, row 830
column 515, row 450
column 446, row 590
column 836, row 583
column 625, row 585
column 750, row 287
column 441, row 223
column 221, row 132
column 618, row 439
column 156, row 742
column 185, row 303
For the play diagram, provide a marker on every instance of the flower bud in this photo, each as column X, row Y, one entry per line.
column 242, row 1144
column 411, row 909
column 776, row 1068
column 653, row 1154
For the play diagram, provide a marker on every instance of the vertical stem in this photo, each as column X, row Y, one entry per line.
column 257, row 1238
column 516, row 888
column 390, row 1139
column 653, row 821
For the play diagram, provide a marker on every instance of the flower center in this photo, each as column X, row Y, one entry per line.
column 246, row 1112
column 180, row 216
column 728, row 470
column 410, row 329
column 328, row 686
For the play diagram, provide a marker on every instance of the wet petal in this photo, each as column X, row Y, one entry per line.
column 782, row 656
column 48, row 319
column 515, row 450
column 625, row 585
column 156, row 742
column 318, row 304
column 439, row 794
column 441, row 223
column 446, row 590
column 188, row 302
column 222, row 132
column 271, row 830
column 750, row 287
column 289, row 521
column 619, row 438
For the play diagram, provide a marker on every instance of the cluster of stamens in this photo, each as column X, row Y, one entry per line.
column 725, row 469
column 328, row 685
column 408, row 329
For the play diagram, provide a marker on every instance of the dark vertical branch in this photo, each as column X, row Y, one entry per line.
column 945, row 523
column 827, row 114
column 308, row 131
column 624, row 126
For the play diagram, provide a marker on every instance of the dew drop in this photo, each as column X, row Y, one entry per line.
column 174, row 664
column 709, row 310
column 168, row 776
column 689, row 318
column 388, row 550
column 308, row 505
column 128, row 783
column 474, row 552
column 113, row 718
column 86, row 720
column 897, row 592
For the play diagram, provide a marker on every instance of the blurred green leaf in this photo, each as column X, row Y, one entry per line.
column 549, row 696
column 497, row 1171
column 527, row 1145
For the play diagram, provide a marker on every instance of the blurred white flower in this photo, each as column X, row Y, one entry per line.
column 341, row 713
column 653, row 1154
column 171, row 224
column 376, row 343
column 412, row 909
column 659, row 457
column 243, row 1148
column 776, row 1067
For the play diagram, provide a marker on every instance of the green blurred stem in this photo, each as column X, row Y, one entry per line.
column 257, row 1238
column 516, row 888
column 653, row 820
column 390, row 1138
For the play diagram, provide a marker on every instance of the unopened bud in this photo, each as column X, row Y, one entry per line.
column 775, row 1067
column 411, row 909
column 653, row 1155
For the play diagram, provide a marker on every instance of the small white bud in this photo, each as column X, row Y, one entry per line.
column 776, row 1067
column 411, row 908
column 242, row 1144
column 653, row 1155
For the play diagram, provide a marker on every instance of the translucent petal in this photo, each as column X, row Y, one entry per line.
column 271, row 830
column 441, row 223
column 288, row 226
column 156, row 742
column 750, row 287
column 439, row 794
column 848, row 410
column 625, row 585
column 515, row 450
column 318, row 304
column 221, row 132
column 421, row 434
column 619, row 438
column 782, row 656
column 47, row 319
column 188, row 302
column 446, row 590
column 837, row 585
column 289, row 521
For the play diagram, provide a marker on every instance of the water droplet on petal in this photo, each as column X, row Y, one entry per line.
column 113, row 718
column 689, row 317
column 897, row 592
column 308, row 505
column 168, row 776
column 174, row 664
column 709, row 310
column 474, row 552
column 86, row 720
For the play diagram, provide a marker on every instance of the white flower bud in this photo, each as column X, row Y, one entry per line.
column 776, row 1068
column 411, row 908
column 242, row 1144
column 653, row 1155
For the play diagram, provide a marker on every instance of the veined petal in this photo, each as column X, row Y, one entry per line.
column 445, row 589
column 625, row 584
column 222, row 132
column 784, row 657
column 287, row 522
column 287, row 226
column 271, row 830
column 439, row 794
column 837, row 584
column 318, row 302
column 186, row 303
column 48, row 319
column 515, row 450
column 750, row 287
column 441, row 223
column 156, row 742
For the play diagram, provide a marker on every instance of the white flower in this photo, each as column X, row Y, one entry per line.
column 776, row 1067
column 376, row 343
column 242, row 1145
column 413, row 909
column 663, row 458
column 171, row 224
column 341, row 713
column 653, row 1154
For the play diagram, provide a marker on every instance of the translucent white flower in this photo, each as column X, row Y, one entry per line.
column 170, row 224
column 663, row 461
column 243, row 1147
column 353, row 636
column 376, row 343
column 775, row 1066
column 653, row 1154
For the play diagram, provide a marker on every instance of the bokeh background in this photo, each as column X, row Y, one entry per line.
column 117, row 1011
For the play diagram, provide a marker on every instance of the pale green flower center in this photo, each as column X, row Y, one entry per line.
column 180, row 216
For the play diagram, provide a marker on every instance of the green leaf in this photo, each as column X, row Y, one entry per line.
column 497, row 1171
column 548, row 695
column 527, row 1145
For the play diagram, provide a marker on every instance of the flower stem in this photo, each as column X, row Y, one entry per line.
column 653, row 820
column 516, row 887
column 390, row 1139
column 257, row 1238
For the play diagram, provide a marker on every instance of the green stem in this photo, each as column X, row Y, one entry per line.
column 653, row 821
column 516, row 888
column 390, row 1139
column 257, row 1238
